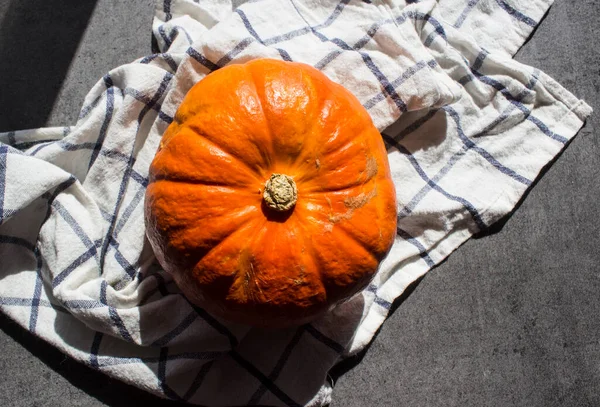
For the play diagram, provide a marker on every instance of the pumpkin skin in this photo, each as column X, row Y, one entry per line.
column 207, row 218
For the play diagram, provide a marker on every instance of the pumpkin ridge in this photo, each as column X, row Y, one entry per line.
column 355, row 239
column 239, row 191
column 363, row 196
column 323, row 156
column 257, row 172
column 362, row 133
column 317, row 190
column 243, row 212
column 245, row 275
column 259, row 97
column 295, row 299
column 270, row 149
column 242, row 228
column 376, row 251
column 314, row 194
column 310, row 247
column 370, row 248
column 318, row 127
column 306, row 88
column 314, row 124
column 338, row 222
column 168, row 178
column 324, row 278
column 328, row 274
column 179, row 152
column 179, row 226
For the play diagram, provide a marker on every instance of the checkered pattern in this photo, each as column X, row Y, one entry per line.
column 467, row 130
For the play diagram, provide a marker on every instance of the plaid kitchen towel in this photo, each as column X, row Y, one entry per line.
column 467, row 130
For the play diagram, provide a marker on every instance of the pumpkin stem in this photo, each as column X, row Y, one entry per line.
column 280, row 192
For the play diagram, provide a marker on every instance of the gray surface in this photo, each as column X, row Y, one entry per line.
column 511, row 319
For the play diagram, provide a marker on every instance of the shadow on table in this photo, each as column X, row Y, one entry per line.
column 38, row 40
column 109, row 391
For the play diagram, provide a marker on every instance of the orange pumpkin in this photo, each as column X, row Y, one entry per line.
column 270, row 198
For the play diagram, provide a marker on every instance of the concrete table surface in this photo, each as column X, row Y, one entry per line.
column 510, row 319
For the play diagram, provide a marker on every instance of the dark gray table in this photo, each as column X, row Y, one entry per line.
column 510, row 319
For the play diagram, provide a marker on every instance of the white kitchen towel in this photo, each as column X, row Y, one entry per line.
column 467, row 129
